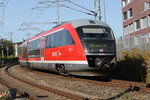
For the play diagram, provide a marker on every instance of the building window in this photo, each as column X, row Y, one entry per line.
column 131, row 28
column 129, row 1
column 125, row 29
column 137, row 25
column 130, row 12
column 125, row 16
column 147, row 5
column 149, row 20
column 144, row 22
column 124, row 2
column 126, row 41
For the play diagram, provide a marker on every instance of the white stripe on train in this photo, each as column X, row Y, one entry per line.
column 58, row 62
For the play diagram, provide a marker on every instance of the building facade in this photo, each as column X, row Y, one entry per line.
column 136, row 24
column 16, row 46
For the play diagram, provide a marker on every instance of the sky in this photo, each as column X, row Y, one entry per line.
column 18, row 15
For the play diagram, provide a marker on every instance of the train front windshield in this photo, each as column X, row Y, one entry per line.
column 97, row 39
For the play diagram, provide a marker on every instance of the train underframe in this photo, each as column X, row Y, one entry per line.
column 94, row 66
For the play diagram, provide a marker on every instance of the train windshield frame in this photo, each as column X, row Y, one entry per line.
column 95, row 32
column 97, row 39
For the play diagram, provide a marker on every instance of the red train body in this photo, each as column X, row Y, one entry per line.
column 80, row 47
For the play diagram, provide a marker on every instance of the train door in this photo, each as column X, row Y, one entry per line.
column 42, row 49
column 24, row 55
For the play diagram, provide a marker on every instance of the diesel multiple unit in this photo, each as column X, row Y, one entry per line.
column 79, row 47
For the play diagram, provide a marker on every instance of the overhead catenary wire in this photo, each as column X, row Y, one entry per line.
column 58, row 4
column 6, row 2
column 3, row 14
column 3, row 10
column 104, row 11
column 45, row 2
column 78, row 10
column 81, row 6
column 4, row 30
column 29, row 14
column 27, row 26
column 93, row 13
column 41, row 13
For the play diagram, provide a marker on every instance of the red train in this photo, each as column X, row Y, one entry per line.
column 79, row 47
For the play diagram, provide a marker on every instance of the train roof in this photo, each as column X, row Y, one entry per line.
column 76, row 24
column 85, row 22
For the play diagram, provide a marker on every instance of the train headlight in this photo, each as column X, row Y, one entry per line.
column 98, row 62
column 86, row 51
column 102, row 62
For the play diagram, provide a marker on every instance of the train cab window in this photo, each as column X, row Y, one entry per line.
column 34, row 49
column 102, row 33
column 58, row 39
column 69, row 40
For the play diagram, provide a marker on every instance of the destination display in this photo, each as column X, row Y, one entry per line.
column 98, row 45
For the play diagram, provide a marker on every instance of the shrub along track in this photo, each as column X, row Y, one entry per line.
column 41, row 90
column 126, row 87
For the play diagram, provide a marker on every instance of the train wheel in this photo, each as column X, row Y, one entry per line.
column 61, row 69
column 29, row 66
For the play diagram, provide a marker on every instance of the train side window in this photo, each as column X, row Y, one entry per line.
column 49, row 40
column 58, row 39
column 69, row 39
column 34, row 49
column 55, row 40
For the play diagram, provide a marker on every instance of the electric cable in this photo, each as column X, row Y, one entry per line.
column 78, row 10
column 81, row 6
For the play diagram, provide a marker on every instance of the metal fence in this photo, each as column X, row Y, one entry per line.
column 130, row 43
column 8, row 61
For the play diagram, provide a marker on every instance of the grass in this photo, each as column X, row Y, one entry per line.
column 148, row 77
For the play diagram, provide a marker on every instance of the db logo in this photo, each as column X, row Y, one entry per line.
column 101, row 50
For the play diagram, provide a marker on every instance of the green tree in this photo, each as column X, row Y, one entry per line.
column 6, row 45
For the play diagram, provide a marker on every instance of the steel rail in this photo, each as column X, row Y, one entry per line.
column 52, row 90
column 29, row 95
column 137, row 86
column 129, row 83
column 134, row 86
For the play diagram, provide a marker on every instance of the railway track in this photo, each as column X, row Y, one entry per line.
column 128, row 87
column 21, row 92
column 51, row 90
column 136, row 86
column 24, row 94
column 132, row 86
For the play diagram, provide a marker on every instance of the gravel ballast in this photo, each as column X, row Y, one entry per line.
column 88, row 90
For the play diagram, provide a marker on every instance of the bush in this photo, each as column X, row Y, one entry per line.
column 131, row 67
column 147, row 55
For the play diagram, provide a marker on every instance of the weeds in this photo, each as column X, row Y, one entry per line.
column 131, row 67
